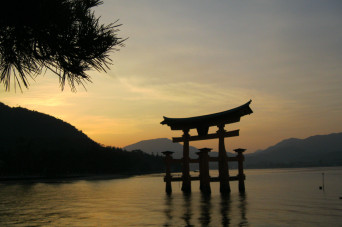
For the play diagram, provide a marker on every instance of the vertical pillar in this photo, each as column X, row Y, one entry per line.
column 223, row 162
column 241, row 175
column 186, row 181
column 168, row 177
column 204, row 170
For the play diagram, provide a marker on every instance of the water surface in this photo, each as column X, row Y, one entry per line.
column 274, row 197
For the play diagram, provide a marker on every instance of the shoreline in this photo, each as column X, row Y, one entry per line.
column 66, row 178
column 94, row 177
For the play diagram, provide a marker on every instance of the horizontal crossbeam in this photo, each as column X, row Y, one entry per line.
column 207, row 137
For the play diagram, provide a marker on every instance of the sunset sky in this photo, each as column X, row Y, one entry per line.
column 193, row 57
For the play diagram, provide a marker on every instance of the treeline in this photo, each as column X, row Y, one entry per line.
column 36, row 144
column 58, row 157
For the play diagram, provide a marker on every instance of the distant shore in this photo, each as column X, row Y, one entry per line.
column 64, row 178
column 90, row 177
column 72, row 177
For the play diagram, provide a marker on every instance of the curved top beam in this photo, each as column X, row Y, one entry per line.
column 202, row 123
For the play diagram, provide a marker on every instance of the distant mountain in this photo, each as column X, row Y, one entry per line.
column 33, row 143
column 319, row 150
column 156, row 146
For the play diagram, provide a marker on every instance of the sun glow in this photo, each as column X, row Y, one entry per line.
column 207, row 59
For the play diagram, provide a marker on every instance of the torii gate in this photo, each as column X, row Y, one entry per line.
column 202, row 124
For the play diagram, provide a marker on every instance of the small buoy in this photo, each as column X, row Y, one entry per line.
column 320, row 187
column 340, row 197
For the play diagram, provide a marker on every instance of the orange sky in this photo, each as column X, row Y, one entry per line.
column 189, row 58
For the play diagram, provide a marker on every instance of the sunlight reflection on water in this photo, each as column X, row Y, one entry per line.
column 274, row 198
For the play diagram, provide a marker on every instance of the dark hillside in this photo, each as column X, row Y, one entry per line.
column 20, row 122
column 32, row 143
column 319, row 150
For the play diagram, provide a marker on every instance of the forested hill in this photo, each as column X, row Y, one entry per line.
column 22, row 124
column 36, row 144
column 318, row 150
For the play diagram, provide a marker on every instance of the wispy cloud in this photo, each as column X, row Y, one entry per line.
column 187, row 58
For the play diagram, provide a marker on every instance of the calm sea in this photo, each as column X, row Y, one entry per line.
column 274, row 197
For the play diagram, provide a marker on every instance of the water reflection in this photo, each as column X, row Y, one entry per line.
column 168, row 210
column 141, row 201
column 187, row 212
column 206, row 210
column 205, row 216
column 225, row 209
column 243, row 209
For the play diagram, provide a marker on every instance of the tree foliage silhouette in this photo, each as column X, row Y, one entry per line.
column 62, row 36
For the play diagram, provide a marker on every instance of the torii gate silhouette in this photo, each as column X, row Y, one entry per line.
column 202, row 124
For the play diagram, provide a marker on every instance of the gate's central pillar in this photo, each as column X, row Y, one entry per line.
column 204, row 170
column 223, row 162
column 186, row 184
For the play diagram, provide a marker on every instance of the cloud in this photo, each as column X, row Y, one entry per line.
column 196, row 57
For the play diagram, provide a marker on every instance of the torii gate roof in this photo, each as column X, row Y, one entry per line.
column 225, row 117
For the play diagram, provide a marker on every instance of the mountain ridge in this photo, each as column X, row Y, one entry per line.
column 158, row 145
column 317, row 150
column 314, row 150
column 37, row 144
